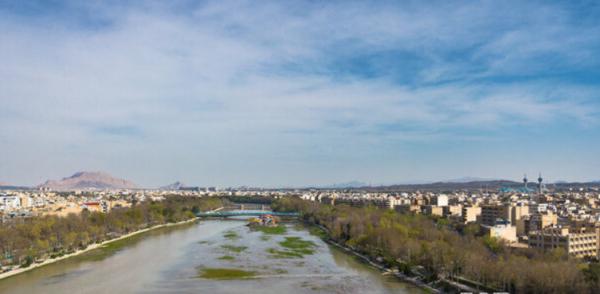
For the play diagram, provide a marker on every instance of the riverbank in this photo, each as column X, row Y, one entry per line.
column 89, row 248
column 413, row 280
column 404, row 278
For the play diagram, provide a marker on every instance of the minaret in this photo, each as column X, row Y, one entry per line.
column 540, row 183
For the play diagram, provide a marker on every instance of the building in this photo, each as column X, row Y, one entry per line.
column 433, row 210
column 471, row 214
column 504, row 231
column 8, row 203
column 539, row 221
column 92, row 206
column 490, row 214
column 453, row 210
column 440, row 200
column 393, row 202
column 579, row 242
column 519, row 214
column 192, row 189
column 538, row 207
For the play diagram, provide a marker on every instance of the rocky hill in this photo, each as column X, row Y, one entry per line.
column 172, row 187
column 88, row 181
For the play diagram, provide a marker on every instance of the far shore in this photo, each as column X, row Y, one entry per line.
column 89, row 248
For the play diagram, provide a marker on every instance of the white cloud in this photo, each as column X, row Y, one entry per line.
column 217, row 76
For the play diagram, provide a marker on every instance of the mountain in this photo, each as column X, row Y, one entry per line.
column 7, row 186
column 88, row 181
column 351, row 184
column 172, row 187
column 447, row 186
column 471, row 180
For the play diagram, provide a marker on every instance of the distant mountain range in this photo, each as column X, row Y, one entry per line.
column 172, row 187
column 449, row 186
column 470, row 180
column 101, row 181
column 7, row 186
column 465, row 183
column 350, row 184
column 88, row 181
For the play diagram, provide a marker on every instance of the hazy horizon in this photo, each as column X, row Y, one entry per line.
column 355, row 182
column 299, row 93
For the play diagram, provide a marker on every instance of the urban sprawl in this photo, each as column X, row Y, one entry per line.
column 528, row 216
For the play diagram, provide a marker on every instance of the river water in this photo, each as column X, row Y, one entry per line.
column 170, row 260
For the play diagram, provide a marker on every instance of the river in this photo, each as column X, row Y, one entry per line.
column 182, row 259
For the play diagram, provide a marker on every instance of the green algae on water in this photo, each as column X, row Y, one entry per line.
column 225, row 273
column 278, row 230
column 297, row 244
column 236, row 249
column 231, row 235
column 283, row 253
column 295, row 247
column 227, row 257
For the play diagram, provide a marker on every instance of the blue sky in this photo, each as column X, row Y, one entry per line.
column 292, row 93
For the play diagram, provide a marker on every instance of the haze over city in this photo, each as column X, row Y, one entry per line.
column 298, row 93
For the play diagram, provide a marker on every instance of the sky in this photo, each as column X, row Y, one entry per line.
column 296, row 93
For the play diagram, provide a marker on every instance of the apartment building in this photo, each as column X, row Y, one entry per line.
column 490, row 214
column 9, row 202
column 440, row 200
column 470, row 214
column 433, row 210
column 519, row 215
column 453, row 210
column 579, row 242
column 539, row 221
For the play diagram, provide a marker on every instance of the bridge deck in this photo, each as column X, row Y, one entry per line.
column 245, row 213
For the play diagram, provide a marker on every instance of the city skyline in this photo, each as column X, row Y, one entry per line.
column 299, row 93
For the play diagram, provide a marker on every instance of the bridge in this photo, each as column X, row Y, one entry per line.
column 230, row 213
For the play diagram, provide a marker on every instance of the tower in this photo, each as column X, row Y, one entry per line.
column 525, row 181
column 540, row 183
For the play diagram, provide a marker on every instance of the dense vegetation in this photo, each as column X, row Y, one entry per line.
column 250, row 199
column 28, row 240
column 442, row 251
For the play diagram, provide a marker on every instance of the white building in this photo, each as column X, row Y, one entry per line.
column 440, row 200
column 9, row 202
